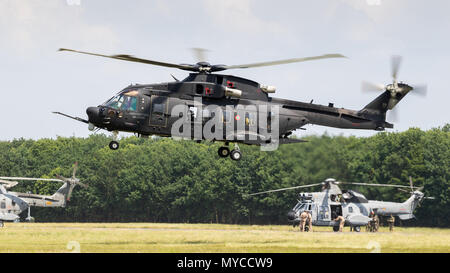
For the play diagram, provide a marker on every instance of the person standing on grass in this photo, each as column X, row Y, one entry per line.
column 391, row 221
column 303, row 218
column 341, row 221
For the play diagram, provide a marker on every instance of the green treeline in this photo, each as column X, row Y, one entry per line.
column 163, row 180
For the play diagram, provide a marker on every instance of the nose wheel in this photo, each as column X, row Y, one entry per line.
column 114, row 145
column 224, row 151
column 235, row 154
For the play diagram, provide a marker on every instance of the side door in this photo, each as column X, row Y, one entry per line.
column 324, row 213
column 158, row 111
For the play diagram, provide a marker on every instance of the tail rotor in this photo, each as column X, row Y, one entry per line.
column 72, row 182
column 394, row 92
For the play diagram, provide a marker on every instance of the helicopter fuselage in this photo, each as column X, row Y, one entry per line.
column 327, row 205
column 154, row 109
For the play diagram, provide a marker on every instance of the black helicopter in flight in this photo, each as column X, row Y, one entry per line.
column 217, row 107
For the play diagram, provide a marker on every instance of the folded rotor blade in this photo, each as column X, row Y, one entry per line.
column 286, row 61
column 285, row 189
column 376, row 185
column 31, row 179
column 130, row 58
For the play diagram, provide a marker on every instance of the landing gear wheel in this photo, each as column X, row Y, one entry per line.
column 114, row 145
column 224, row 151
column 357, row 229
column 335, row 228
column 236, row 155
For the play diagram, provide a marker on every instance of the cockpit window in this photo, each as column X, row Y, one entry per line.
column 123, row 102
column 129, row 103
column 299, row 206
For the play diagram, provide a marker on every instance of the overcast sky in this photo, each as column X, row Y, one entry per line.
column 36, row 79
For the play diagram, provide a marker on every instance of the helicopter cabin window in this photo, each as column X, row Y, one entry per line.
column 123, row 102
column 199, row 89
column 350, row 209
column 299, row 206
column 3, row 205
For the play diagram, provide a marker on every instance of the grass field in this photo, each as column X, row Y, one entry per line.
column 184, row 238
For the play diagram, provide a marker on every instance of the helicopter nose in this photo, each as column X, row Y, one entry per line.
column 291, row 215
column 93, row 114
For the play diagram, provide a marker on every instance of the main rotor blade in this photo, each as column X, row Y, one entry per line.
column 376, row 185
column 286, row 61
column 395, row 65
column 31, row 179
column 130, row 58
column 285, row 189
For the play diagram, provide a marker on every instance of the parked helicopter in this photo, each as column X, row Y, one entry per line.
column 14, row 203
column 331, row 202
column 200, row 102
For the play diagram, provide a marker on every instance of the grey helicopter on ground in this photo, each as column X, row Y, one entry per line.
column 331, row 202
column 12, row 204
column 203, row 96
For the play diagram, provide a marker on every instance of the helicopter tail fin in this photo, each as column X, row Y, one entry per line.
column 379, row 105
column 63, row 193
column 410, row 205
column 387, row 100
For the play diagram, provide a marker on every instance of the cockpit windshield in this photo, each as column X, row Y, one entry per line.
column 300, row 207
column 125, row 101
